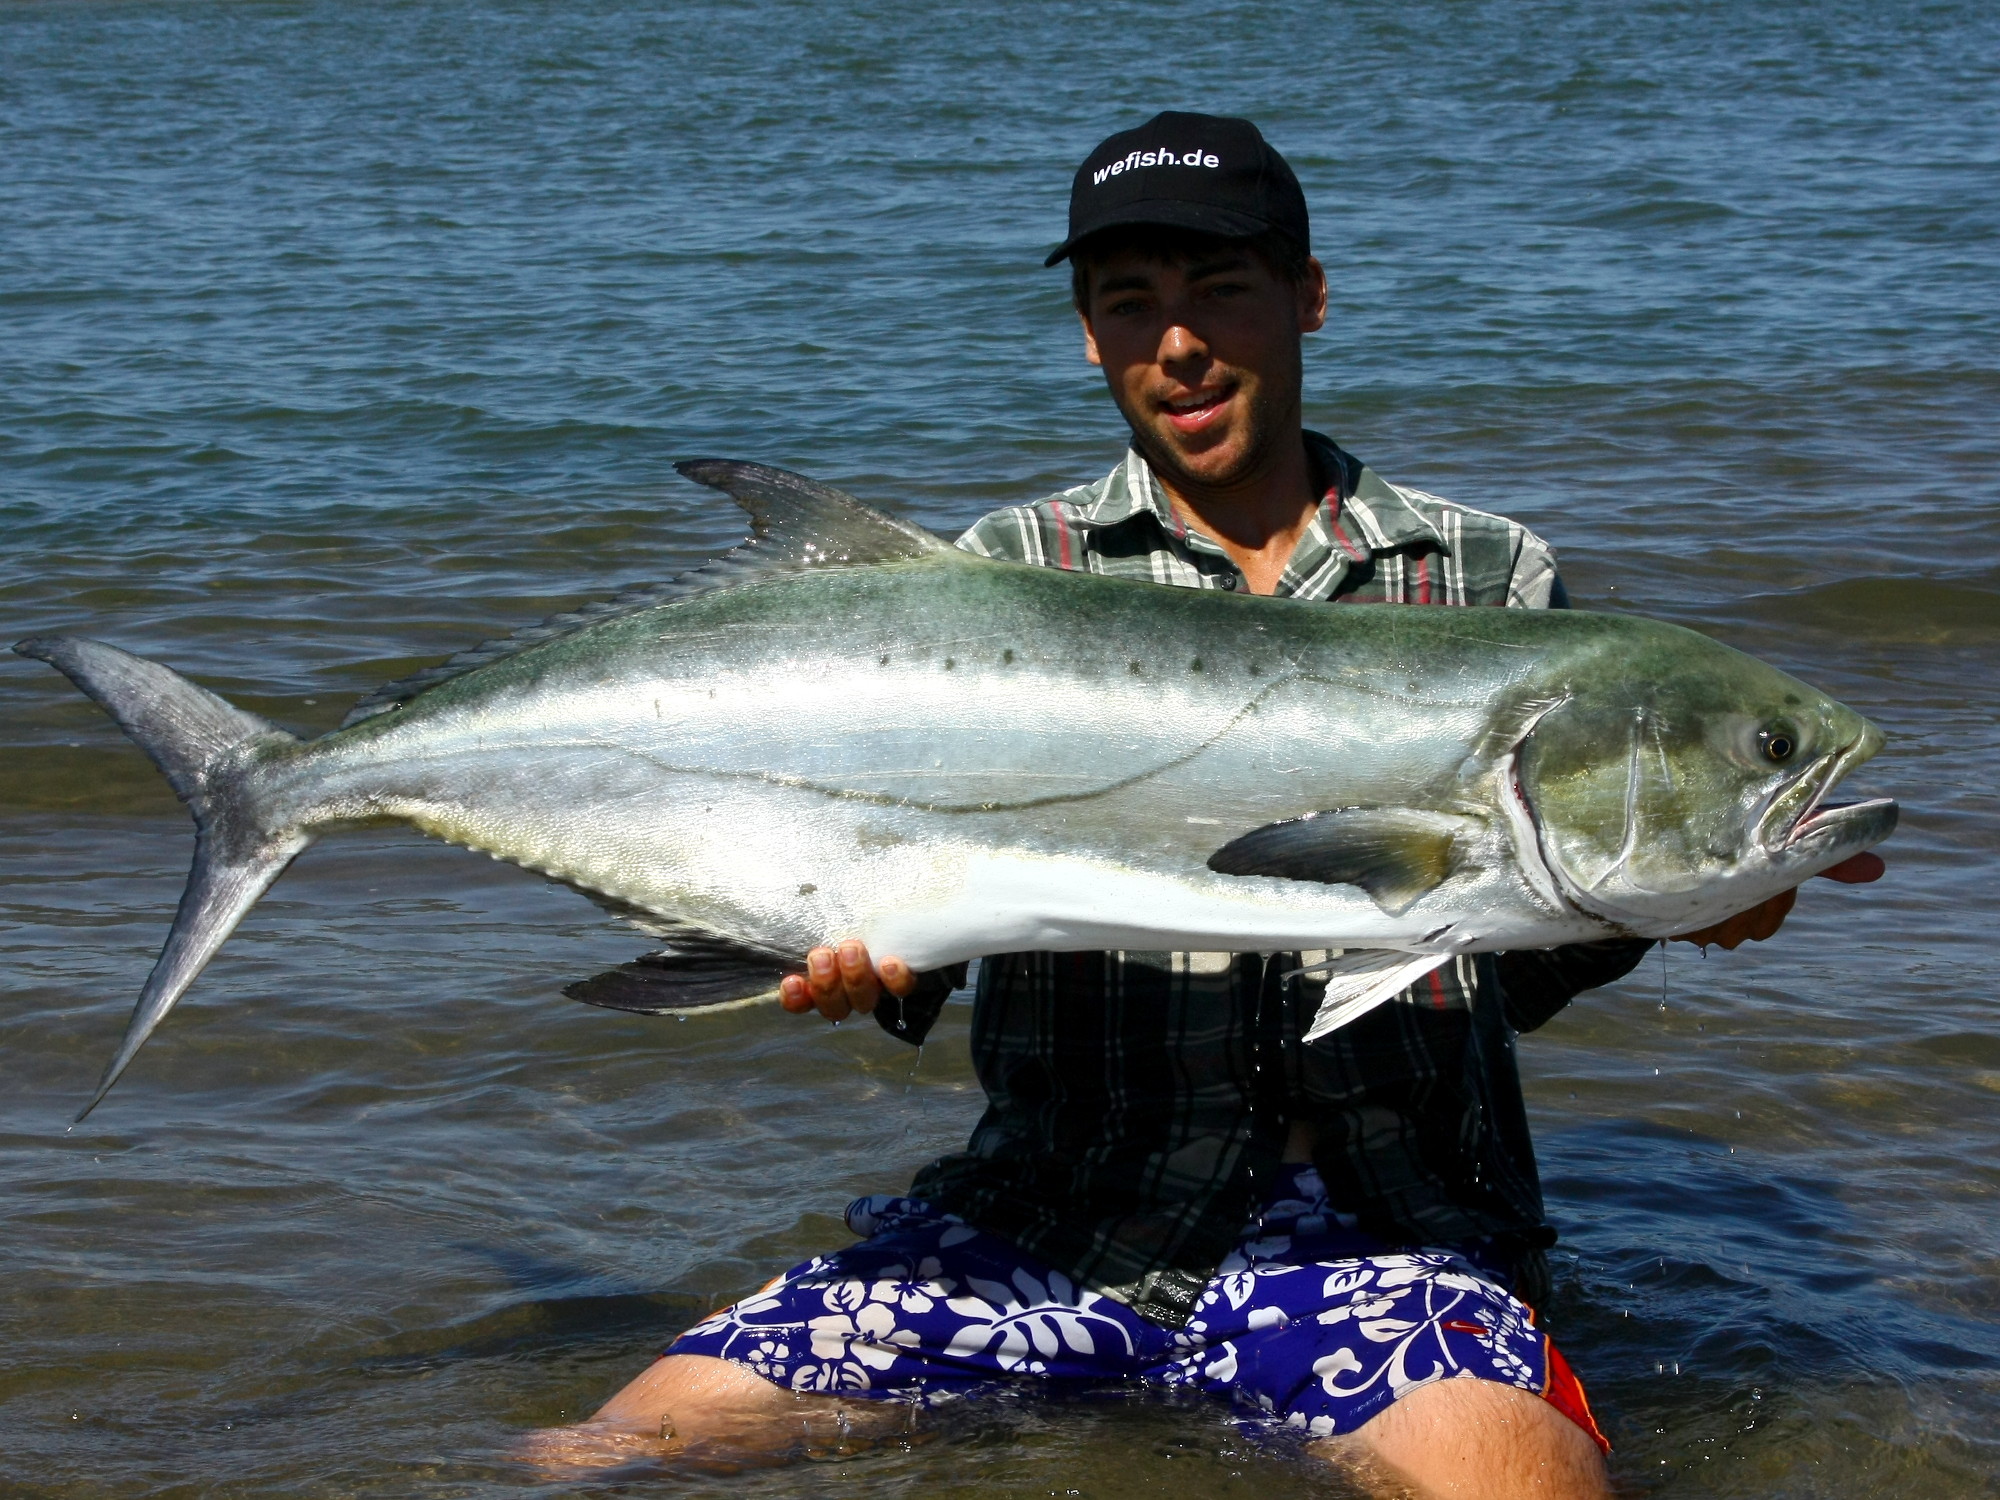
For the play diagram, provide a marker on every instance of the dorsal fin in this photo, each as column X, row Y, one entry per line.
column 795, row 523
column 801, row 523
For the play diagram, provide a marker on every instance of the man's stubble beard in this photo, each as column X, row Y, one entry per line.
column 1266, row 426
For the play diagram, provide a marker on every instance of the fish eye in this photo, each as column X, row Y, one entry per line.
column 1777, row 744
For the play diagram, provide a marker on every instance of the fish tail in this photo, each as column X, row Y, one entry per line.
column 206, row 749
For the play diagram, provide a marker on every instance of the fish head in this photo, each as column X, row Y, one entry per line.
column 1676, row 785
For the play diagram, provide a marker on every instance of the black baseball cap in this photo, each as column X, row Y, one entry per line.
column 1210, row 173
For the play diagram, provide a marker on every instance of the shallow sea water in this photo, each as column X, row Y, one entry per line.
column 334, row 337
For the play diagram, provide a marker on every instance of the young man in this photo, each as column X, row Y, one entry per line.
column 1168, row 1185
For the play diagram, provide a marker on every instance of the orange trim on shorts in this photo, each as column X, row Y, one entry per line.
column 758, row 1293
column 1565, row 1393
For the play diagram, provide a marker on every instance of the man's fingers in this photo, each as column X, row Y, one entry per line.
column 794, row 994
column 840, row 981
column 1765, row 920
column 1856, row 869
column 819, row 988
column 857, row 977
column 823, row 979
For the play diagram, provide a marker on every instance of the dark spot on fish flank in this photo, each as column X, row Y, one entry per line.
column 1007, row 656
column 949, row 663
column 884, row 661
column 1792, row 699
column 1195, row 665
column 807, row 889
column 1255, row 670
column 1134, row 668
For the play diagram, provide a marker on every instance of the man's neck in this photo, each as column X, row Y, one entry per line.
column 1257, row 520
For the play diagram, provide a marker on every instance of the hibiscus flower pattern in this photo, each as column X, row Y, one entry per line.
column 1308, row 1323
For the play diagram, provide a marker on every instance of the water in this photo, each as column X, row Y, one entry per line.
column 335, row 337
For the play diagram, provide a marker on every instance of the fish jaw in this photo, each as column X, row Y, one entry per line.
column 1829, row 835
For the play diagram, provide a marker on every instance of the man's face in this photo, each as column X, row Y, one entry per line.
column 1202, row 356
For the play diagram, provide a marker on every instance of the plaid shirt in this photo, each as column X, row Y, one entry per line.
column 1138, row 1101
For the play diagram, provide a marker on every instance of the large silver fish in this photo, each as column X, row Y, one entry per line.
column 848, row 727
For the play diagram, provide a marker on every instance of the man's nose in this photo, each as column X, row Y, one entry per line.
column 1181, row 343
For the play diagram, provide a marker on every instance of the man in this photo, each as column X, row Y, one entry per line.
column 1169, row 1185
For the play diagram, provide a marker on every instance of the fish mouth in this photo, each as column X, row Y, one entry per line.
column 1859, row 824
column 1800, row 814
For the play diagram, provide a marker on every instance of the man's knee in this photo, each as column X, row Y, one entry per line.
column 687, row 1394
column 691, row 1408
column 1480, row 1440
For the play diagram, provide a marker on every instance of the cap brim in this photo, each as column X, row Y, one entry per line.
column 1168, row 213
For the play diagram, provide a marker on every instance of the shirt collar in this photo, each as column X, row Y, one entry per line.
column 1131, row 489
column 1384, row 520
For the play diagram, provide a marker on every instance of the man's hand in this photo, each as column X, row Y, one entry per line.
column 839, row 981
column 1758, row 923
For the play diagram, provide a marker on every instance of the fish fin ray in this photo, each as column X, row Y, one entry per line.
column 691, row 975
column 1395, row 854
column 1357, row 982
column 796, row 524
column 801, row 523
column 197, row 740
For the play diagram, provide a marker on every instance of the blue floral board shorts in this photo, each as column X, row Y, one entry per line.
column 1309, row 1324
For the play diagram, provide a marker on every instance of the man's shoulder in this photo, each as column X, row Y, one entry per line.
column 1494, row 558
column 1031, row 533
column 1045, row 531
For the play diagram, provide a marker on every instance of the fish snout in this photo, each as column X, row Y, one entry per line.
column 1827, row 835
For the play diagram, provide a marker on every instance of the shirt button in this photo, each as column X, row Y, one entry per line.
column 1227, row 581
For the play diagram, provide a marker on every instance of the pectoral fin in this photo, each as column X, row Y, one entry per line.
column 1396, row 854
column 1358, row 982
column 688, row 977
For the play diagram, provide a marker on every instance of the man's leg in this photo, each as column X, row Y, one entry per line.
column 925, row 1303
column 692, row 1405
column 1473, row 1440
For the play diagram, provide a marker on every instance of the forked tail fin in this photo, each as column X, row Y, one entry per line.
column 201, row 743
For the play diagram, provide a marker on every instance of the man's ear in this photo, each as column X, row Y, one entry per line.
column 1090, row 339
column 1312, row 297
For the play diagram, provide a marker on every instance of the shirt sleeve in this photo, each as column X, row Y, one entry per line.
column 1535, row 985
column 1534, row 583
column 909, row 1018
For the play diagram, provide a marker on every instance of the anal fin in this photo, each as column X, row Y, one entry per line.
column 690, row 976
column 1359, row 981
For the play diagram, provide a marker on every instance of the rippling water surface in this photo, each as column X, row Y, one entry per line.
column 334, row 337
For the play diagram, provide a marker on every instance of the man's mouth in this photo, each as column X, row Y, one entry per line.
column 1196, row 409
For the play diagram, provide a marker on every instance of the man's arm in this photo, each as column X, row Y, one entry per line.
column 1535, row 983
